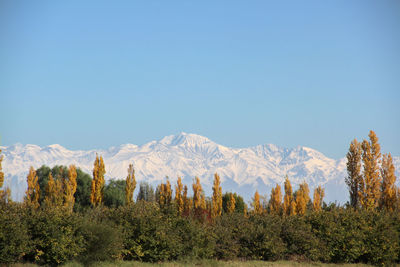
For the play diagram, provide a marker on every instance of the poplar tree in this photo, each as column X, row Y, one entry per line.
column 54, row 195
column 217, row 197
column 97, row 191
column 130, row 185
column 302, row 198
column 288, row 201
column 370, row 188
column 5, row 195
column 32, row 194
column 319, row 194
column 197, row 194
column 354, row 180
column 165, row 194
column 388, row 191
column 275, row 202
column 179, row 200
column 231, row 203
column 70, row 185
column 256, row 204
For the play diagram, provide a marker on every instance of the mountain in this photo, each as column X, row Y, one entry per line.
column 242, row 170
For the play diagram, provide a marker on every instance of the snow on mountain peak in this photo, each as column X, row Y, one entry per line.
column 242, row 170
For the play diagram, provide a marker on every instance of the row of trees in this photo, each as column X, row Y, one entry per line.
column 371, row 176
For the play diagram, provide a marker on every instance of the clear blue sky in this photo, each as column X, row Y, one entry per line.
column 94, row 74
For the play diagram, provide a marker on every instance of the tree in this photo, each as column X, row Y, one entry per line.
column 97, row 192
column 114, row 193
column 197, row 192
column 319, row 194
column 130, row 185
column 5, row 195
column 54, row 196
column 388, row 191
column 33, row 192
column 70, row 184
column 275, row 202
column 146, row 192
column 217, row 197
column 354, row 178
column 178, row 196
column 164, row 194
column 302, row 198
column 370, row 188
column 257, row 208
column 230, row 205
column 288, row 201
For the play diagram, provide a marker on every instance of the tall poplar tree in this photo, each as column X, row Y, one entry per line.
column 354, row 180
column 370, row 188
column 97, row 191
column 319, row 194
column 275, row 202
column 257, row 208
column 70, row 185
column 217, row 197
column 1, row 171
column 231, row 205
column 165, row 194
column 302, row 198
column 179, row 201
column 197, row 192
column 54, row 193
column 32, row 193
column 130, row 185
column 388, row 191
column 186, row 202
column 289, row 206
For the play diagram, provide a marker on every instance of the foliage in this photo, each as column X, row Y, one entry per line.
column 146, row 192
column 217, row 197
column 114, row 193
column 97, row 189
column 130, row 185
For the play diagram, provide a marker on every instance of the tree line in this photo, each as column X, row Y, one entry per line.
column 67, row 214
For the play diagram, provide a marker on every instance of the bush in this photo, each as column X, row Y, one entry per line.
column 14, row 238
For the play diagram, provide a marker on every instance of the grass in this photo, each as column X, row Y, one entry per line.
column 205, row 263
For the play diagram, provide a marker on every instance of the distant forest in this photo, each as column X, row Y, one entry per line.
column 69, row 215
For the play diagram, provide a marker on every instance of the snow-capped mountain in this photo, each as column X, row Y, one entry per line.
column 242, row 170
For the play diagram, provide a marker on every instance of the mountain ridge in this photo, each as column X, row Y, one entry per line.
column 242, row 170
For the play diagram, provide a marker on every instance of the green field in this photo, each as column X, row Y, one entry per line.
column 207, row 263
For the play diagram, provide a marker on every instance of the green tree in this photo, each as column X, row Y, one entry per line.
column 354, row 178
column 114, row 193
column 146, row 192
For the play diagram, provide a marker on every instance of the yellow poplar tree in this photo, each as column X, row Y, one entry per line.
column 217, row 197
column 165, row 194
column 54, row 196
column 257, row 204
column 130, row 185
column 178, row 196
column 70, row 185
column 388, row 194
column 32, row 194
column 231, row 203
column 288, row 201
column 370, row 188
column 96, row 196
column 319, row 194
column 302, row 198
column 275, row 202
column 354, row 178
column 197, row 192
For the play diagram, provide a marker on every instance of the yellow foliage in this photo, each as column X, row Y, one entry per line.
column 1, row 172
column 319, row 194
column 179, row 200
column 302, row 198
column 165, row 194
column 370, row 187
column 257, row 208
column 288, row 201
column 389, row 194
column 96, row 196
column 275, row 202
column 187, row 203
column 130, row 185
column 231, row 203
column 217, row 197
column 32, row 194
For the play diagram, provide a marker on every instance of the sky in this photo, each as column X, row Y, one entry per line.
column 96, row 74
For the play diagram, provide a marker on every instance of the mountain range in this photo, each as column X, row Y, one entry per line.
column 242, row 170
